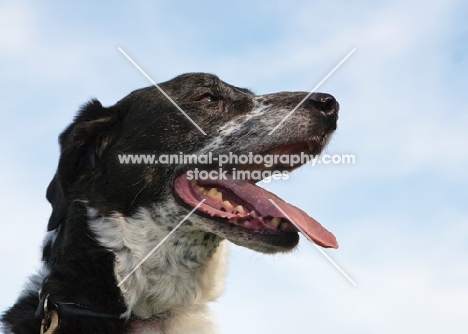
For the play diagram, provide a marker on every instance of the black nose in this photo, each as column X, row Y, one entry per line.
column 325, row 103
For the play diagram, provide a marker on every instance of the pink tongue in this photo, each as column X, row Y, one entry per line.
column 261, row 200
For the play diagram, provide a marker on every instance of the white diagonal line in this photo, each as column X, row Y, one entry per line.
column 159, row 88
column 160, row 243
column 336, row 266
column 312, row 91
column 313, row 242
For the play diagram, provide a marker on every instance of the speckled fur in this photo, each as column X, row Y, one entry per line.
column 184, row 273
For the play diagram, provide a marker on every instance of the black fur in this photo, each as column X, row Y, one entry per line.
column 79, row 270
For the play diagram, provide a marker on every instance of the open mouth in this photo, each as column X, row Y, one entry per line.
column 243, row 204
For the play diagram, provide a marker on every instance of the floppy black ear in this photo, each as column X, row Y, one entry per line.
column 81, row 146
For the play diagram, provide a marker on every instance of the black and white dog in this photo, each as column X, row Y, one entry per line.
column 108, row 216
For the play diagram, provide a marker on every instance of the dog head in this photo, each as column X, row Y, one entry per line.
column 235, row 121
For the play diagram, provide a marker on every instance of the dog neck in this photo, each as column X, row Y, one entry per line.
column 176, row 280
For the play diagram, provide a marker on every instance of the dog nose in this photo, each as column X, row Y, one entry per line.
column 326, row 103
column 327, row 106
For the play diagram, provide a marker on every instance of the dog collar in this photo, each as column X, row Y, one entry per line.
column 52, row 313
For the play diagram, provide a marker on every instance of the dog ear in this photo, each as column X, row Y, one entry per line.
column 82, row 145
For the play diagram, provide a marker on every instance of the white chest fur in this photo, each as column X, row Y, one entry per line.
column 176, row 282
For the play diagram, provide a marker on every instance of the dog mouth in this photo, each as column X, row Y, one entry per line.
column 243, row 204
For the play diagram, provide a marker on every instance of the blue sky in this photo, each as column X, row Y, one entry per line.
column 400, row 213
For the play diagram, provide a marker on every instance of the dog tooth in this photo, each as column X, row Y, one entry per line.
column 276, row 221
column 310, row 143
column 227, row 204
column 239, row 209
column 213, row 193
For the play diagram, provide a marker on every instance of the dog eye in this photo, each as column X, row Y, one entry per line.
column 207, row 98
